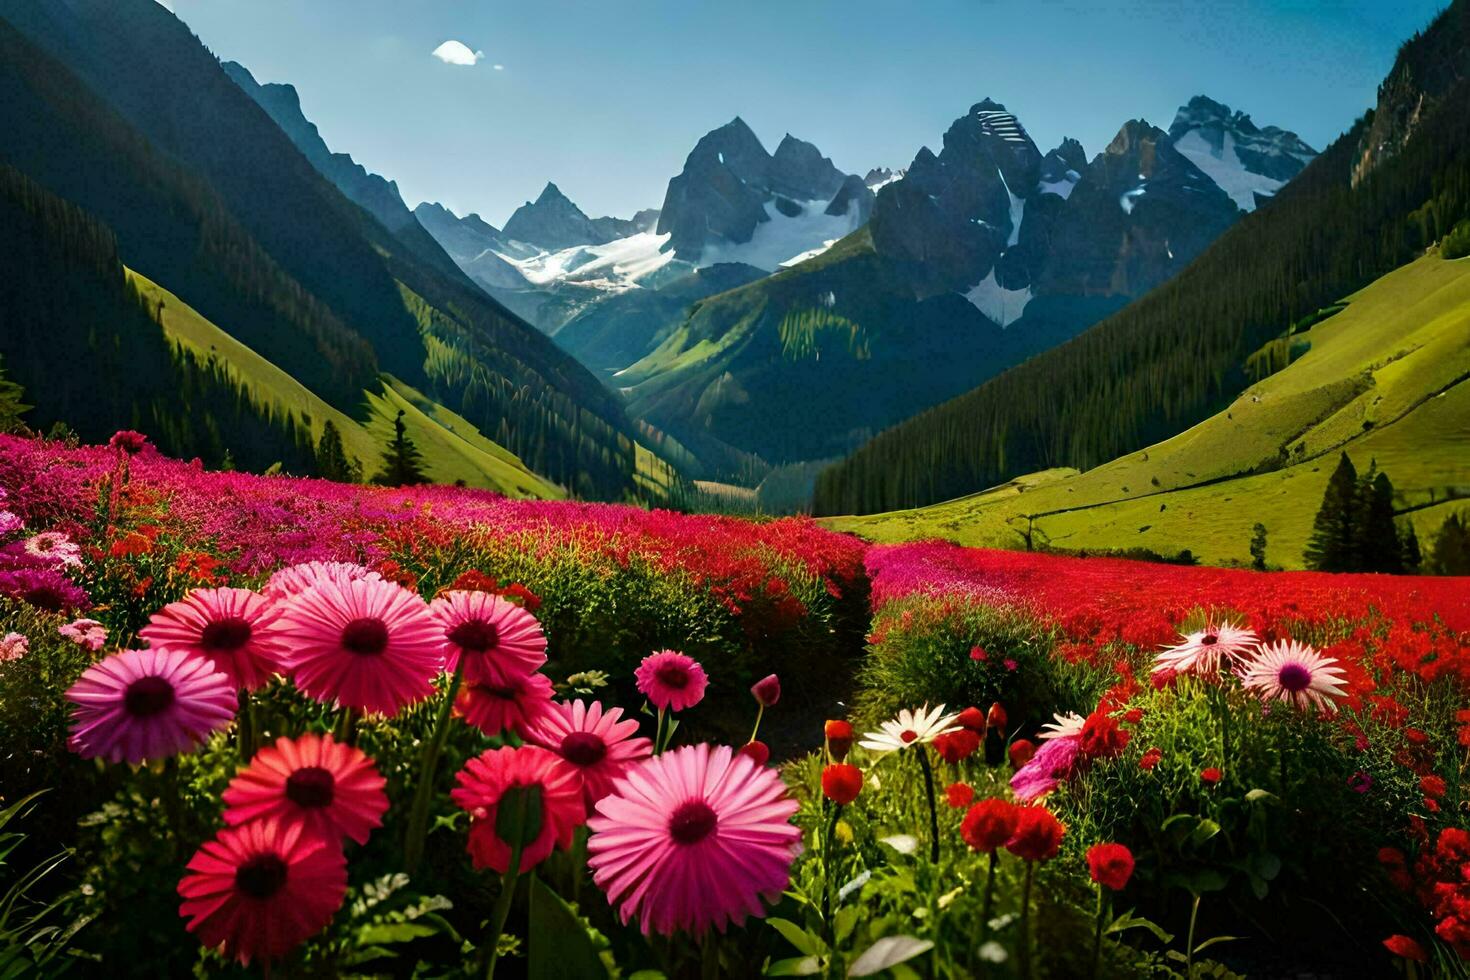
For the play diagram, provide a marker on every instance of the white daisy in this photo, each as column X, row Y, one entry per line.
column 1205, row 651
column 1290, row 671
column 1066, row 726
column 917, row 726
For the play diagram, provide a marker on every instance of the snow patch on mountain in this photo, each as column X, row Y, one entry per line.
column 1224, row 166
column 1003, row 306
column 617, row 265
column 784, row 240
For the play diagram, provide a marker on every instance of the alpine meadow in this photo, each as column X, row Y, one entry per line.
column 685, row 491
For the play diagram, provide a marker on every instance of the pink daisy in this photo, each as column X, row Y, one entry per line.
column 148, row 704
column 1053, row 764
column 85, row 633
column 694, row 838
column 296, row 579
column 238, row 630
column 364, row 644
column 484, row 780
column 498, row 639
column 54, row 546
column 1290, row 671
column 1203, row 652
column 671, row 680
column 596, row 742
column 257, row 891
column 333, row 789
column 515, row 705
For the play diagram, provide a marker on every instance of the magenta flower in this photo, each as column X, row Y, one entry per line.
column 129, row 441
column 1053, row 764
column 9, row 523
column 1290, row 671
column 85, row 633
column 694, row 838
column 767, row 690
column 54, row 546
column 44, row 588
column 369, row 645
column 499, row 639
column 600, row 744
column 296, row 579
column 148, row 704
column 671, row 680
column 238, row 630
column 516, row 705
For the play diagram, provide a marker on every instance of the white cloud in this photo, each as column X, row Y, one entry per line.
column 457, row 53
column 499, row 67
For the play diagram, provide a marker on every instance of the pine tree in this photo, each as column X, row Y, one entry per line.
column 1331, row 546
column 1412, row 558
column 1451, row 548
column 1258, row 547
column 402, row 461
column 332, row 462
column 12, row 405
column 1376, row 544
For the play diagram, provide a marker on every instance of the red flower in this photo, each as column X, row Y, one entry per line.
column 959, row 794
column 1415, row 736
column 973, row 719
column 996, row 717
column 767, row 690
column 757, row 752
column 1021, row 751
column 1038, row 834
column 1111, row 865
column 841, row 783
column 1433, row 785
column 1211, row 775
column 1152, row 757
column 989, row 824
column 473, row 581
column 333, row 789
column 976, row 653
column 839, row 738
column 1133, row 716
column 1403, row 946
column 957, row 745
column 1102, row 738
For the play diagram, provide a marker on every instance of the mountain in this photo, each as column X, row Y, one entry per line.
column 117, row 108
column 1248, row 163
column 1381, row 376
column 973, row 259
column 471, row 242
column 1374, row 200
column 552, row 222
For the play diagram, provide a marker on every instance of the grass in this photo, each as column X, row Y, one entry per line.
column 1383, row 379
column 453, row 449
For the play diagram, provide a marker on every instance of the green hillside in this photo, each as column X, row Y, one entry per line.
column 1384, row 379
column 453, row 449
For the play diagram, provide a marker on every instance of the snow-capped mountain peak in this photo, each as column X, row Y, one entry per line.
column 1248, row 162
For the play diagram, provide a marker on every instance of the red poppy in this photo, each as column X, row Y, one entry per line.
column 1211, row 775
column 1152, row 757
column 1021, row 751
column 839, row 738
column 757, row 752
column 1038, row 834
column 1101, row 737
column 957, row 745
column 1433, row 785
column 1409, row 949
column 996, row 717
column 1111, row 865
column 841, row 783
column 959, row 794
column 973, row 719
column 989, row 824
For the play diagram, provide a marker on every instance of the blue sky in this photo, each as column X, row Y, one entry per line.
column 607, row 98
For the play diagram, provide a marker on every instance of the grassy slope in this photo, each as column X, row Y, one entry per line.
column 453, row 449
column 1385, row 379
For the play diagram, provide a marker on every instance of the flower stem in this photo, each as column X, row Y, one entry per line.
column 658, row 733
column 579, row 860
column 1024, row 948
column 759, row 714
column 987, row 905
column 245, row 728
column 828, row 870
column 1189, row 942
column 933, row 811
column 501, row 911
column 418, row 820
column 1097, row 935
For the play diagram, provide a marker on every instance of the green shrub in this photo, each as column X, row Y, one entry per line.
column 1456, row 244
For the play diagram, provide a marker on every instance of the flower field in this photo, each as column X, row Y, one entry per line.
column 267, row 725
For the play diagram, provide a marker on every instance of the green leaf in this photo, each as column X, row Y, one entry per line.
column 1266, row 865
column 393, row 932
column 518, row 815
column 558, row 945
column 1203, row 831
column 1213, row 941
column 843, row 921
column 796, row 966
column 887, row 952
column 798, row 937
column 1258, row 795
column 1128, row 921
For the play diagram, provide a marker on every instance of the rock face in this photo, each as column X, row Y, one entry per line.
column 553, row 222
column 853, row 194
column 1249, row 163
column 720, row 196
column 472, row 243
column 1140, row 212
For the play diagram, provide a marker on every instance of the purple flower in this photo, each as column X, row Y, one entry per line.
column 44, row 588
column 1053, row 764
column 1360, row 782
